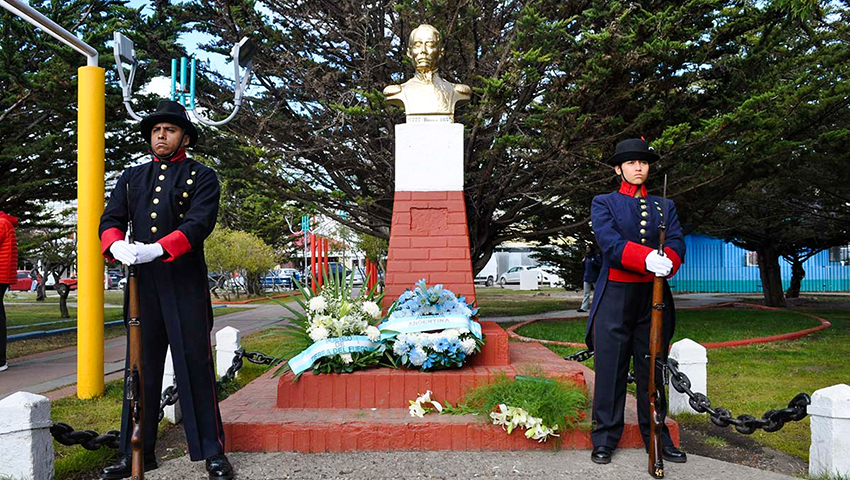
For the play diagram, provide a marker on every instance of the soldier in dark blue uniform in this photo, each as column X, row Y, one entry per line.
column 173, row 203
column 625, row 223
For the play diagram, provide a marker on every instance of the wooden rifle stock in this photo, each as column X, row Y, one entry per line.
column 656, row 461
column 135, row 377
column 135, row 391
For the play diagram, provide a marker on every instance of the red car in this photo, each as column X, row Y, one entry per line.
column 24, row 281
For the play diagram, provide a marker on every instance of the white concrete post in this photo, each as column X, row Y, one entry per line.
column 528, row 280
column 173, row 413
column 227, row 341
column 829, row 454
column 692, row 362
column 26, row 446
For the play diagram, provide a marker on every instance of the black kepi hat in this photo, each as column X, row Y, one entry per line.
column 632, row 149
column 170, row 112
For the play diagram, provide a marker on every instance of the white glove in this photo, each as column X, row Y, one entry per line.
column 147, row 252
column 660, row 265
column 123, row 252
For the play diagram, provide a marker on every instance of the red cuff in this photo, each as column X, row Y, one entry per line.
column 634, row 257
column 107, row 238
column 674, row 257
column 176, row 244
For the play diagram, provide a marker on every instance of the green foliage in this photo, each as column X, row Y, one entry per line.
column 38, row 106
column 555, row 401
column 336, row 288
column 228, row 251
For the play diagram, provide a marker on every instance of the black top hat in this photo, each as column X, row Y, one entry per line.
column 632, row 149
column 170, row 112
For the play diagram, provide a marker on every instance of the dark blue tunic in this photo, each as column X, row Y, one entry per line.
column 175, row 204
column 626, row 229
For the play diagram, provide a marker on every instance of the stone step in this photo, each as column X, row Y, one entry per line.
column 394, row 388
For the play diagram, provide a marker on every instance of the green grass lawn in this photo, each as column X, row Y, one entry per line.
column 28, row 314
column 502, row 302
column 104, row 413
column 755, row 378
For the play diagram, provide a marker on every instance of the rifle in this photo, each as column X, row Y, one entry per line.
column 135, row 379
column 656, row 461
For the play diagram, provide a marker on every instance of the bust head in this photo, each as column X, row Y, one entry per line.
column 425, row 48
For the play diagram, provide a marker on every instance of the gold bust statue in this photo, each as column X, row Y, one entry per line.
column 426, row 93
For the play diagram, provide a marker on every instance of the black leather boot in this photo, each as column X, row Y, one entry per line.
column 672, row 454
column 123, row 469
column 219, row 467
column 601, row 455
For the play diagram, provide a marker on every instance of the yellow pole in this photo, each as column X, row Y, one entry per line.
column 91, row 123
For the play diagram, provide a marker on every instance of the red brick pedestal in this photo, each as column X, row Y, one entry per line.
column 429, row 239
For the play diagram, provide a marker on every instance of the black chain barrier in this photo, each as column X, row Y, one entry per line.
column 91, row 440
column 771, row 421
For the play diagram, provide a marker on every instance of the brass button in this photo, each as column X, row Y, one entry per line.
column 642, row 240
column 644, row 214
column 181, row 215
column 161, row 177
column 643, row 207
column 194, row 172
column 658, row 208
column 153, row 215
column 156, row 201
column 153, row 229
column 157, row 189
column 661, row 214
column 185, row 194
column 189, row 181
column 643, row 223
column 642, row 200
column 181, row 202
column 655, row 202
column 163, row 166
column 642, row 231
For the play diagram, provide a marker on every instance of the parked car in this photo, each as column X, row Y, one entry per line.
column 50, row 282
column 543, row 276
column 24, row 282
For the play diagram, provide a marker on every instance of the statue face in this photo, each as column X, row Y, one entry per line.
column 424, row 49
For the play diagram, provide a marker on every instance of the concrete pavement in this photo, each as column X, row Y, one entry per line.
column 626, row 464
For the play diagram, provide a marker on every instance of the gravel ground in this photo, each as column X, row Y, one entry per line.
column 572, row 464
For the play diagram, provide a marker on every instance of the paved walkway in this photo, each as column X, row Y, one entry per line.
column 688, row 300
column 626, row 464
column 48, row 371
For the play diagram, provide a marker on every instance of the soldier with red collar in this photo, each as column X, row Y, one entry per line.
column 173, row 204
column 626, row 223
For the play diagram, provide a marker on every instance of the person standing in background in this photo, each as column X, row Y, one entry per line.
column 8, row 273
column 592, row 262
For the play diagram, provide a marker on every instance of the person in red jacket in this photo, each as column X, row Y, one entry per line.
column 8, row 273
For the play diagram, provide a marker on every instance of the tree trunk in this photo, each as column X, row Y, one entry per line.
column 798, row 273
column 63, row 291
column 771, row 278
column 40, row 295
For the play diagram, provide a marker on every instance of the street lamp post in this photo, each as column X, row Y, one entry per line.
column 242, row 54
column 91, row 123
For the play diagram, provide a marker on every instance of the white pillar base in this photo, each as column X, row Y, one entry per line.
column 692, row 360
column 172, row 413
column 829, row 454
column 227, row 341
column 26, row 445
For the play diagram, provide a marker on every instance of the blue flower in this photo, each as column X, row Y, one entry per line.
column 442, row 344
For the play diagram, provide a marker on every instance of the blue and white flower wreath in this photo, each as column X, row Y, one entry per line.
column 430, row 328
